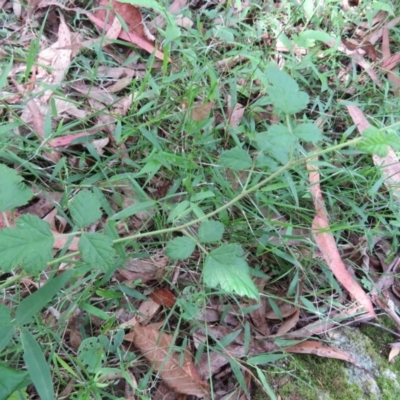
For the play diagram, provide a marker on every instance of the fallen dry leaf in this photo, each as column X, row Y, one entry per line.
column 157, row 347
column 201, row 110
column 320, row 350
column 289, row 323
column 389, row 165
column 163, row 297
column 394, row 78
column 394, row 352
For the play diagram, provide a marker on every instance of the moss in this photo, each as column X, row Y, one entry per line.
column 309, row 377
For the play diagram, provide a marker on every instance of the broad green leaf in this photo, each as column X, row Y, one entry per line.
column 377, row 142
column 308, row 132
column 6, row 334
column 85, row 208
column 284, row 92
column 91, row 354
column 180, row 248
column 29, row 245
column 13, row 193
column 322, row 36
column 37, row 366
column 132, row 210
column 11, row 380
column 232, row 277
column 32, row 304
column 235, row 159
column 210, row 231
column 277, row 142
column 97, row 250
column 154, row 4
column 6, row 328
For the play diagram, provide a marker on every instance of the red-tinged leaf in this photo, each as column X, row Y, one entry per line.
column 391, row 62
column 386, row 55
column 201, row 110
column 129, row 37
column 327, row 245
column 68, row 139
column 163, row 297
column 320, row 350
column 358, row 118
column 157, row 346
column 131, row 15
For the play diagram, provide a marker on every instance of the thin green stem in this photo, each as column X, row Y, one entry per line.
column 245, row 192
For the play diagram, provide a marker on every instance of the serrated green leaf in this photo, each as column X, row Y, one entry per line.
column 12, row 380
column 210, row 231
column 180, row 248
column 235, row 159
column 284, row 92
column 85, row 208
column 13, row 193
column 29, row 245
column 32, row 304
column 308, row 132
column 97, row 250
column 278, row 142
column 230, row 273
column 377, row 142
column 37, row 366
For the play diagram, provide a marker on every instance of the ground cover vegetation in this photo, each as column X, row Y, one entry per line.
column 192, row 192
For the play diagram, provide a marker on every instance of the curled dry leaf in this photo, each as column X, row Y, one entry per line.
column 157, row 347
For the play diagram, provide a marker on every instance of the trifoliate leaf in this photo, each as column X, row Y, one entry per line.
column 180, row 248
column 29, row 245
column 232, row 277
column 284, row 92
column 85, row 208
column 308, row 132
column 278, row 142
column 377, row 142
column 97, row 250
column 235, row 159
column 210, row 231
column 13, row 193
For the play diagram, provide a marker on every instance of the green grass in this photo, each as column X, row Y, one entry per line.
column 166, row 172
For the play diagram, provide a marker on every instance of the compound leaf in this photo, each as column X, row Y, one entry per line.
column 180, row 248
column 211, row 231
column 29, row 244
column 284, row 92
column 97, row 250
column 232, row 277
column 85, row 208
column 14, row 193
column 377, row 141
column 236, row 159
column 308, row 132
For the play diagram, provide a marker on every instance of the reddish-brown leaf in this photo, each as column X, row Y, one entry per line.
column 163, row 297
column 157, row 346
column 320, row 350
column 131, row 15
